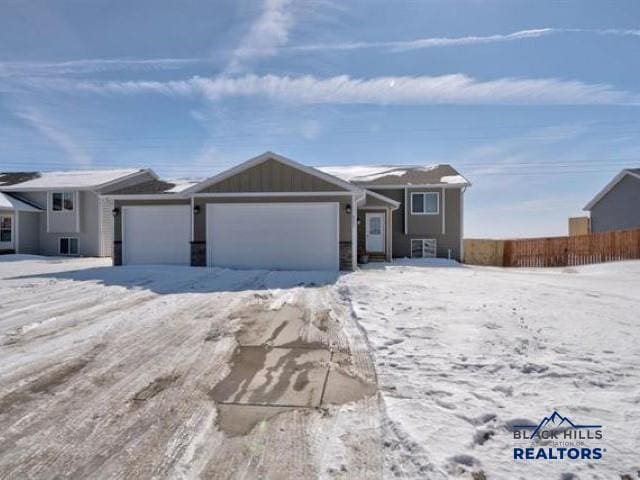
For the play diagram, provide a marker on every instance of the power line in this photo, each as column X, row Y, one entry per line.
column 188, row 137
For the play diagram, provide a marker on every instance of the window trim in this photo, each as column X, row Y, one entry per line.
column 10, row 217
column 424, row 194
column 62, row 207
column 69, row 246
column 422, row 241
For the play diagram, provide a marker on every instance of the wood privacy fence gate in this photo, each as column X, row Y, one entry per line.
column 574, row 250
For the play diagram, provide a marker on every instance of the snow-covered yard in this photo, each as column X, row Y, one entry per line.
column 411, row 370
column 463, row 353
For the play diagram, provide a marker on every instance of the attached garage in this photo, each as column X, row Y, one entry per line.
column 286, row 236
column 156, row 235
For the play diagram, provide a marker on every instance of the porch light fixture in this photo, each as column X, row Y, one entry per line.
column 196, row 210
column 115, row 212
column 348, row 208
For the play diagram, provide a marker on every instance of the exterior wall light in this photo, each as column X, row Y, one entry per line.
column 348, row 208
column 196, row 210
column 115, row 212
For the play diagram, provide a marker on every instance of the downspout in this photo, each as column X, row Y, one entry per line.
column 406, row 214
column 389, row 234
column 444, row 211
column 462, row 190
column 193, row 221
column 354, row 231
column 16, row 236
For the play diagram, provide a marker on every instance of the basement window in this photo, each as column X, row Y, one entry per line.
column 423, row 247
column 5, row 229
column 68, row 246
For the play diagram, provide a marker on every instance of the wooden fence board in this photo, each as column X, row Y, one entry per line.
column 574, row 250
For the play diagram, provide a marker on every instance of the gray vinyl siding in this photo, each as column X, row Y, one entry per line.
column 619, row 209
column 88, row 235
column 426, row 226
column 345, row 218
column 28, row 233
column 272, row 176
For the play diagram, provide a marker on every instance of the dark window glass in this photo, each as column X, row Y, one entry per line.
column 431, row 203
column 73, row 246
column 417, row 203
column 67, row 200
column 56, row 202
column 5, row 229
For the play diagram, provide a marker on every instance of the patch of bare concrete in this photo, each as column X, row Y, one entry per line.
column 285, row 361
column 274, row 376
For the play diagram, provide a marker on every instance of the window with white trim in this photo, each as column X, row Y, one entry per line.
column 424, row 247
column 68, row 246
column 62, row 201
column 6, row 229
column 425, row 203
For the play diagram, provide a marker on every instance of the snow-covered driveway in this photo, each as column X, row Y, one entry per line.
column 180, row 372
column 462, row 353
column 408, row 371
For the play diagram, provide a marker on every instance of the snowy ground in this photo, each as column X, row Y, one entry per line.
column 137, row 372
column 462, row 353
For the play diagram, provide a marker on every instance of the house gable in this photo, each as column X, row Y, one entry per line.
column 272, row 173
column 623, row 175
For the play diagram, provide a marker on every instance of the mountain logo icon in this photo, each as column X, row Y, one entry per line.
column 554, row 421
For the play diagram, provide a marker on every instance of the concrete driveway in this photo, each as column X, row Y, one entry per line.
column 179, row 372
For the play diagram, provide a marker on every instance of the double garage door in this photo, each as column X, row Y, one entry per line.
column 286, row 236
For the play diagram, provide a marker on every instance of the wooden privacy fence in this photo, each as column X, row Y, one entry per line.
column 574, row 250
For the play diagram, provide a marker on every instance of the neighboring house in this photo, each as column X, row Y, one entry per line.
column 273, row 213
column 61, row 213
column 617, row 206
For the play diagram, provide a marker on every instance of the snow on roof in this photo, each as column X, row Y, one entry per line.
column 397, row 174
column 357, row 172
column 453, row 179
column 180, row 185
column 7, row 202
column 73, row 179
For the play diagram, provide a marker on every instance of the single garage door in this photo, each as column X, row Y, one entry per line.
column 156, row 235
column 283, row 236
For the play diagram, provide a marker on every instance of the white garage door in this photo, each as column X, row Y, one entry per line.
column 284, row 236
column 156, row 235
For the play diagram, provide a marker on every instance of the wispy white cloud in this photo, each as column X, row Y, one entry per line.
column 269, row 32
column 270, row 35
column 71, row 67
column 435, row 42
column 420, row 90
column 429, row 42
column 56, row 135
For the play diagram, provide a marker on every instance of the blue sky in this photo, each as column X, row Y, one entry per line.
column 537, row 103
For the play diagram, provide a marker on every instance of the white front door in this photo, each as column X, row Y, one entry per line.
column 374, row 232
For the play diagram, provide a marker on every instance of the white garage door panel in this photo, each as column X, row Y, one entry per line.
column 156, row 235
column 287, row 236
